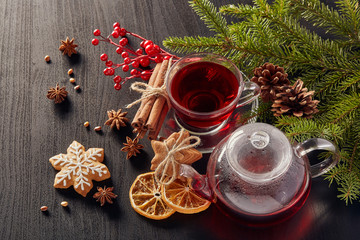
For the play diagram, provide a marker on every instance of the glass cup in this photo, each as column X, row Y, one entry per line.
column 204, row 90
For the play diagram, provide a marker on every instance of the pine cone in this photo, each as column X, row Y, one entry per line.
column 295, row 100
column 270, row 77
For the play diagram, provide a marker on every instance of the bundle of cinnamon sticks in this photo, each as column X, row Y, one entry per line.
column 152, row 111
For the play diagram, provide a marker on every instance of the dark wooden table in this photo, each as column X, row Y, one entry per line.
column 33, row 129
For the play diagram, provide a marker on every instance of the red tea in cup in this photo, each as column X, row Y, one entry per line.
column 204, row 89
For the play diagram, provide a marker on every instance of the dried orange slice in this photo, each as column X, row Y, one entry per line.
column 179, row 196
column 145, row 198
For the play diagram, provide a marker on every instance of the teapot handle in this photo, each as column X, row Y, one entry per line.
column 312, row 144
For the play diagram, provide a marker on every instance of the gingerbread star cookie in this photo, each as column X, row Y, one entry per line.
column 186, row 156
column 79, row 168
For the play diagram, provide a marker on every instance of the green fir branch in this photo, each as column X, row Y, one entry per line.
column 336, row 173
column 351, row 10
column 345, row 107
column 323, row 16
column 349, row 187
column 239, row 11
column 209, row 14
column 194, row 44
column 351, row 82
column 299, row 129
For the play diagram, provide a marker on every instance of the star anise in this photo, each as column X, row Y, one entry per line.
column 57, row 93
column 131, row 147
column 117, row 119
column 68, row 47
column 104, row 195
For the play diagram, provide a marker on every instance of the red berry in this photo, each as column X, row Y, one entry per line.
column 139, row 51
column 123, row 41
column 167, row 57
column 157, row 48
column 148, row 42
column 142, row 44
column 116, row 24
column 97, row 32
column 135, row 64
column 125, row 54
column 134, row 72
column 145, row 62
column 122, row 32
column 117, row 86
column 158, row 59
column 109, row 63
column 145, row 75
column 110, row 71
column 115, row 34
column 117, row 79
column 119, row 50
column 104, row 57
column 127, row 60
column 95, row 41
column 125, row 68
column 149, row 49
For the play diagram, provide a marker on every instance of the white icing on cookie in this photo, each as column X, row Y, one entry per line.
column 77, row 164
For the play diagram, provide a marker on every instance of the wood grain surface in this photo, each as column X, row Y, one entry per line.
column 33, row 129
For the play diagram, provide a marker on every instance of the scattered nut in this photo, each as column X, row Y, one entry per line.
column 77, row 87
column 47, row 58
column 86, row 124
column 44, row 208
column 98, row 128
column 72, row 80
column 70, row 71
column 64, row 203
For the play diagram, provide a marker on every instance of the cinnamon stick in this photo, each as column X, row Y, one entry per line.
column 136, row 123
column 149, row 102
column 155, row 113
column 156, row 110
column 141, row 133
column 154, row 133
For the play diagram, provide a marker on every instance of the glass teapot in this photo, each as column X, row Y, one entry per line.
column 257, row 175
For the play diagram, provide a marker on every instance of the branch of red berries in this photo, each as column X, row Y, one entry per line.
column 139, row 59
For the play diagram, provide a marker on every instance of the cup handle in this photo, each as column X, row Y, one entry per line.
column 319, row 144
column 254, row 92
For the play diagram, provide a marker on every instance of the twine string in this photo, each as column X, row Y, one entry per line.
column 170, row 158
column 149, row 91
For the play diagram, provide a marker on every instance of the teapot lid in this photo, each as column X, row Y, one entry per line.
column 259, row 152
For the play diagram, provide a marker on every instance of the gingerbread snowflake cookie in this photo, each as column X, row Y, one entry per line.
column 79, row 168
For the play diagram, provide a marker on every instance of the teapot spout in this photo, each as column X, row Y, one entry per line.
column 199, row 182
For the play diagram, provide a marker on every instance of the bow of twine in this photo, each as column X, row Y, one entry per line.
column 170, row 160
column 149, row 91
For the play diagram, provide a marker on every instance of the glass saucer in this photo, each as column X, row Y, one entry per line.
column 209, row 139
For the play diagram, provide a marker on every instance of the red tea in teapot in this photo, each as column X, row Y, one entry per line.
column 267, row 196
column 275, row 217
column 259, row 176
